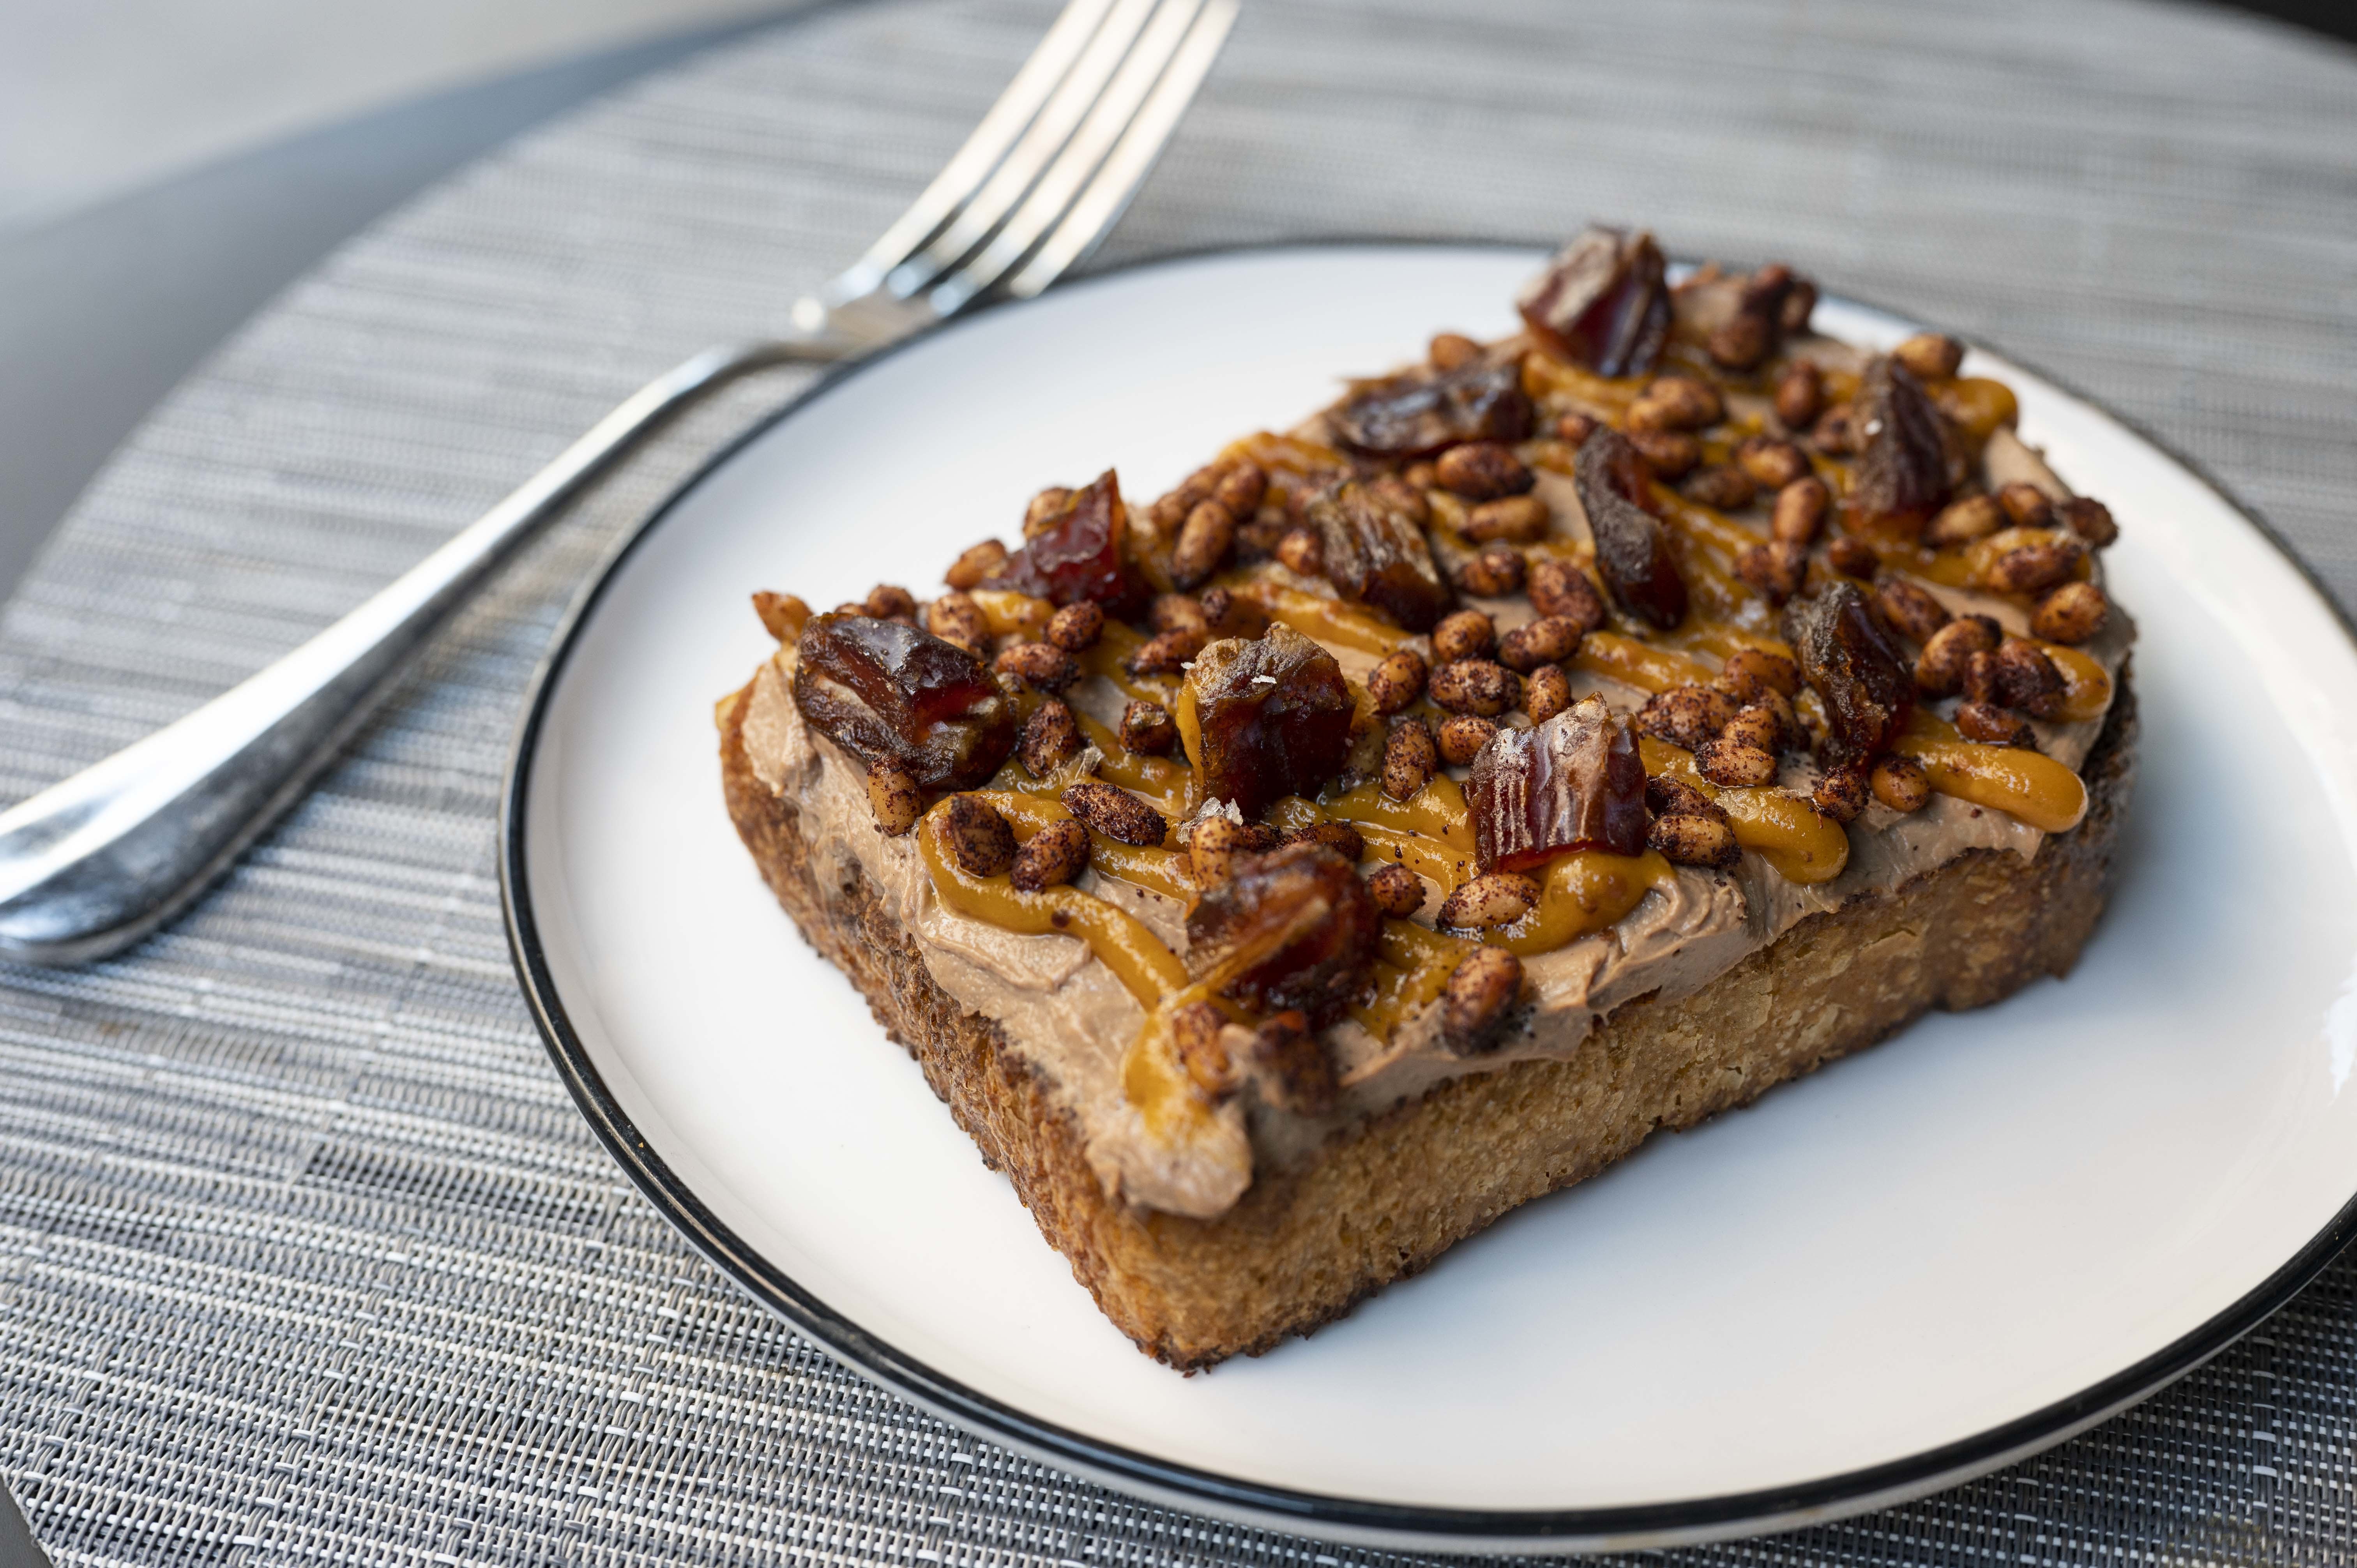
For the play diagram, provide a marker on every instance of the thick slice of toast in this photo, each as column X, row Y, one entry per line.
column 1386, row 1198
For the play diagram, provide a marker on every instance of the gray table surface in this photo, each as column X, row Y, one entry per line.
column 303, row 1255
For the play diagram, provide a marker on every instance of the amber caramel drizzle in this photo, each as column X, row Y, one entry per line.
column 1410, row 975
column 1801, row 843
column 1149, row 970
column 1584, row 891
column 2026, row 784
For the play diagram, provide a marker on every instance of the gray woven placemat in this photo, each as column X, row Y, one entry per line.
column 303, row 1255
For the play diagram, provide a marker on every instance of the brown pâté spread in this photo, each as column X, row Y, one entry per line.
column 1541, row 676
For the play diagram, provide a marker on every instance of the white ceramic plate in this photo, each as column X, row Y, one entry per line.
column 1905, row 1270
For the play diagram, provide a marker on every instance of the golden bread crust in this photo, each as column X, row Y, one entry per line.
column 1385, row 1199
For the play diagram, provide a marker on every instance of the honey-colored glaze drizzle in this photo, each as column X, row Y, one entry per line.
column 1010, row 613
column 1437, row 811
column 2028, row 784
column 1801, row 843
column 1157, row 870
column 1154, row 776
column 1723, row 642
column 1584, row 891
column 1437, row 859
column 2086, row 684
column 1979, row 406
column 1107, row 657
column 1147, row 970
column 1410, row 975
column 1545, row 376
column 1638, row 664
column 1315, row 616
column 1711, row 527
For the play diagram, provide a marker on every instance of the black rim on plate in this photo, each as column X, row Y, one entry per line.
column 1161, row 1481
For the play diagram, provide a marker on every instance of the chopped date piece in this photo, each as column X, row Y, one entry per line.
column 1479, row 999
column 1903, row 474
column 1080, row 554
column 1273, row 719
column 881, row 688
column 1373, row 552
column 1292, row 929
column 1574, row 782
column 1147, row 728
column 1754, row 327
column 1848, row 658
column 1631, row 551
column 1114, row 812
column 1602, row 302
column 1423, row 411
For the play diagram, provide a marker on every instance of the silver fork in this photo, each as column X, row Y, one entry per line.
column 89, row 865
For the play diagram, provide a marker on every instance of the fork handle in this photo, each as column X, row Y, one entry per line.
column 89, row 865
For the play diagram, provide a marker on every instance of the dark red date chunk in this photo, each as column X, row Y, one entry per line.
column 1407, row 415
column 1294, row 928
column 1080, row 556
column 1602, row 302
column 880, row 689
column 1846, row 656
column 1631, row 550
column 1574, row 782
column 1274, row 719
column 1902, row 476
column 1374, row 553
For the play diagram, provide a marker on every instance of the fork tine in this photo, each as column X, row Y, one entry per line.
column 1047, row 134
column 1132, row 158
column 985, row 148
column 1067, row 177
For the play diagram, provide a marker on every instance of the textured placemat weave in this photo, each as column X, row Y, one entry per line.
column 303, row 1255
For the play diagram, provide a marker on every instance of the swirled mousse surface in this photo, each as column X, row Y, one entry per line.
column 1074, row 1022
